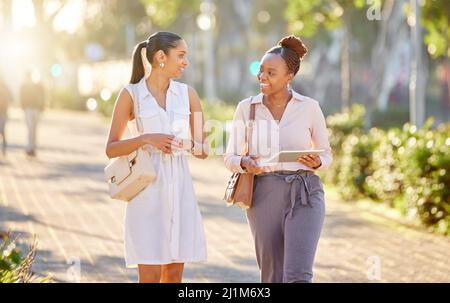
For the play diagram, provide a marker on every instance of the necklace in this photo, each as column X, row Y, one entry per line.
column 282, row 105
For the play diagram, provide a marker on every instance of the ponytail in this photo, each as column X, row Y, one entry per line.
column 138, row 70
column 158, row 41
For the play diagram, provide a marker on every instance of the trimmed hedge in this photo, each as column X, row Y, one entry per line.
column 426, row 166
column 407, row 168
column 340, row 126
column 356, row 165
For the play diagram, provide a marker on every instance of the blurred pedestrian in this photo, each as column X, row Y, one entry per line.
column 288, row 206
column 5, row 100
column 32, row 96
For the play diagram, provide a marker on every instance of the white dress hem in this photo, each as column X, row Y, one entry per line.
column 154, row 262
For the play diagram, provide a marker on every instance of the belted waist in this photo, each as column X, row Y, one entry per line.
column 285, row 172
column 294, row 178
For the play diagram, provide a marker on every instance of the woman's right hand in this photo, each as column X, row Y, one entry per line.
column 250, row 164
column 163, row 142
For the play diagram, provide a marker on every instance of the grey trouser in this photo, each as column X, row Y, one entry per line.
column 3, row 119
column 286, row 220
column 32, row 119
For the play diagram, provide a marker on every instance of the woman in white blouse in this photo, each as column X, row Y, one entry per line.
column 288, row 206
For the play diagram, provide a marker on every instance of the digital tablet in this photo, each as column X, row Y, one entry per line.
column 292, row 155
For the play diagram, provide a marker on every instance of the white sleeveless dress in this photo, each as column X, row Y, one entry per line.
column 163, row 223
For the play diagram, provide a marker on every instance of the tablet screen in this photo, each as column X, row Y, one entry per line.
column 292, row 156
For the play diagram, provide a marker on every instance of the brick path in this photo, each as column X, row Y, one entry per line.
column 61, row 197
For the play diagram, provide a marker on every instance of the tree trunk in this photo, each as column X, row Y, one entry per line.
column 386, row 53
column 325, row 68
column 345, row 66
column 243, row 9
column 419, row 72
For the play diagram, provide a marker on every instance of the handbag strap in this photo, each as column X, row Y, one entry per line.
column 249, row 127
column 136, row 110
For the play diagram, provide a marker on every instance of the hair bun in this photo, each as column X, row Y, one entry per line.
column 295, row 44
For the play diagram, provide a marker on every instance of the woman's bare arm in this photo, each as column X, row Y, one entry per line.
column 197, row 123
column 123, row 112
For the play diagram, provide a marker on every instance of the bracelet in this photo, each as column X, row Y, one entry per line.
column 318, row 165
column 198, row 147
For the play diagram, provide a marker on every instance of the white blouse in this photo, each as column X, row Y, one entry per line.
column 301, row 127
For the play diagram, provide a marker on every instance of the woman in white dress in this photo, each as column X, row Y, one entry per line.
column 163, row 225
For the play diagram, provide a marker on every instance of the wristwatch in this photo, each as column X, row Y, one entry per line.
column 316, row 167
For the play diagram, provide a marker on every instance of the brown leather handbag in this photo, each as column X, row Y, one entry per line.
column 239, row 189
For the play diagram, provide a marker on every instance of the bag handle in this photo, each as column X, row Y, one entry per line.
column 249, row 127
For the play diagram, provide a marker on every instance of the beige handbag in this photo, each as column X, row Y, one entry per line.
column 128, row 175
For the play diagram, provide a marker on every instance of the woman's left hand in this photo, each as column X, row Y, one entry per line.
column 312, row 161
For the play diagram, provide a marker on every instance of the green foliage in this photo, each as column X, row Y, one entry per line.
column 356, row 165
column 309, row 17
column 164, row 12
column 386, row 182
column 15, row 268
column 340, row 126
column 345, row 123
column 435, row 18
column 405, row 168
column 427, row 179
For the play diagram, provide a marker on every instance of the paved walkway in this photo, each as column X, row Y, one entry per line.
column 61, row 197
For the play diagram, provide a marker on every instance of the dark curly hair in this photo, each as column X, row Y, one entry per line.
column 292, row 50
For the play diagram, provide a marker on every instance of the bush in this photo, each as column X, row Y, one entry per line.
column 356, row 165
column 406, row 168
column 426, row 165
column 340, row 126
column 14, row 268
column 343, row 124
column 386, row 184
